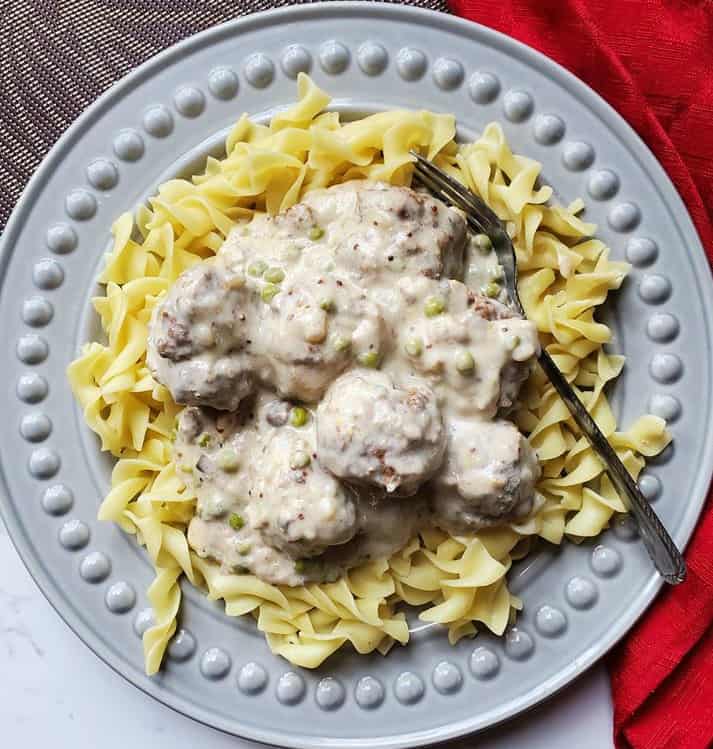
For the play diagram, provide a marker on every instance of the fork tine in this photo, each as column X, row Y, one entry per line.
column 480, row 217
column 444, row 179
column 459, row 192
column 436, row 187
column 427, row 179
column 471, row 217
column 465, row 202
column 427, row 182
column 435, row 190
column 422, row 166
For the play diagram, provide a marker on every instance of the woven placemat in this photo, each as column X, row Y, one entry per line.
column 57, row 56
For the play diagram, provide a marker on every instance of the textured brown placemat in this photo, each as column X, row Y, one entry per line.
column 57, row 56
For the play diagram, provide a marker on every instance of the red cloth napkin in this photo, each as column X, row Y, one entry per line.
column 653, row 61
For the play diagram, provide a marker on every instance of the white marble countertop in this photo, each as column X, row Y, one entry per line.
column 55, row 692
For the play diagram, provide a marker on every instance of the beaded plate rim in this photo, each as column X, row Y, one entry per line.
column 448, row 74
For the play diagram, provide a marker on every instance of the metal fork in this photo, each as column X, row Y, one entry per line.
column 481, row 219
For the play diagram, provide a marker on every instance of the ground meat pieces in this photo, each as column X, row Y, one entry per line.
column 197, row 343
column 342, row 380
column 370, row 431
column 488, row 476
column 298, row 508
column 396, row 230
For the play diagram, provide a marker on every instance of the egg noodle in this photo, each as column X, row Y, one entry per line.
column 460, row 581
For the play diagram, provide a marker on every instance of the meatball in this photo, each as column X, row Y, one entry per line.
column 371, row 432
column 291, row 300
column 488, row 477
column 263, row 502
column 295, row 505
column 474, row 351
column 381, row 228
column 349, row 300
column 311, row 332
column 198, row 341
column 211, row 452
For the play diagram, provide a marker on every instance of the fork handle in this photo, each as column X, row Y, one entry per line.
column 663, row 552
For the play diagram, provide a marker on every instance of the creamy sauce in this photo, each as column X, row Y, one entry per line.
column 357, row 372
column 489, row 473
column 369, row 431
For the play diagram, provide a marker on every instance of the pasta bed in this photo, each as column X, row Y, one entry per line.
column 460, row 582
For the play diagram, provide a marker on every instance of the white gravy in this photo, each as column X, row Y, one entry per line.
column 347, row 377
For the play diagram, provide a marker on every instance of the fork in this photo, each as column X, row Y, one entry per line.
column 481, row 219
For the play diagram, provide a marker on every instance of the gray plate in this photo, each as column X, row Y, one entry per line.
column 162, row 120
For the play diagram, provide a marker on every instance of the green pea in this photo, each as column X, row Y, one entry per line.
column 369, row 359
column 298, row 416
column 341, row 343
column 269, row 291
column 236, row 521
column 491, row 290
column 257, row 268
column 316, row 232
column 300, row 459
column 414, row 347
column 274, row 275
column 300, row 566
column 465, row 363
column 244, row 548
column 327, row 305
column 483, row 243
column 434, row 306
column 204, row 440
column 228, row 460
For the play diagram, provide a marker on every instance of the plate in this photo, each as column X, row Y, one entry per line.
column 162, row 121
